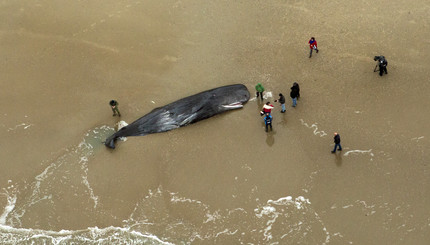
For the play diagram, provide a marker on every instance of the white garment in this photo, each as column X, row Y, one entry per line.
column 268, row 107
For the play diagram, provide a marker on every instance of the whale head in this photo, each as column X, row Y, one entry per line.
column 233, row 96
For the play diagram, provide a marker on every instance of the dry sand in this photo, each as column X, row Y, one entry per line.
column 62, row 61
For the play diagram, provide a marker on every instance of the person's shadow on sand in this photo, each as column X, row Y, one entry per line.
column 270, row 139
column 259, row 104
column 338, row 159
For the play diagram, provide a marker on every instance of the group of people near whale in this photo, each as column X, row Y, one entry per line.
column 266, row 111
column 210, row 103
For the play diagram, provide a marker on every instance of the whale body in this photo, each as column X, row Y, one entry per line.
column 185, row 111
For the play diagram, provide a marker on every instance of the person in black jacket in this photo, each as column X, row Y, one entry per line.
column 383, row 67
column 282, row 102
column 336, row 143
column 297, row 87
column 294, row 94
column 382, row 63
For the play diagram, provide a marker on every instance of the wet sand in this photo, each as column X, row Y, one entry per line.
column 212, row 182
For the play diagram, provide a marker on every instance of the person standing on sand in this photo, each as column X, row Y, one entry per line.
column 297, row 87
column 336, row 143
column 260, row 90
column 268, row 122
column 114, row 106
column 313, row 45
column 383, row 66
column 267, row 108
column 282, row 101
column 293, row 94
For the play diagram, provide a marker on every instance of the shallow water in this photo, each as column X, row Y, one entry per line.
column 222, row 180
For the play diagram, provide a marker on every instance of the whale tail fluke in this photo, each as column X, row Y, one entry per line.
column 110, row 142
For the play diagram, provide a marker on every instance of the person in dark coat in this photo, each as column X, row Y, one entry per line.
column 296, row 85
column 382, row 63
column 383, row 66
column 294, row 94
column 336, row 143
column 282, row 102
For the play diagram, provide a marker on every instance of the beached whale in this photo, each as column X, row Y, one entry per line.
column 185, row 111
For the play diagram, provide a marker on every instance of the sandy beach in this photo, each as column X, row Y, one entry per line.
column 223, row 180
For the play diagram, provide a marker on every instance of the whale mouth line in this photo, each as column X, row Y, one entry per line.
column 234, row 105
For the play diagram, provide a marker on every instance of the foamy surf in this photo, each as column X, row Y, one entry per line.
column 73, row 161
column 91, row 235
column 365, row 152
column 314, row 126
column 11, row 200
column 284, row 220
column 61, row 171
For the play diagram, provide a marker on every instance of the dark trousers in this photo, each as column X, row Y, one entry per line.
column 267, row 127
column 260, row 94
column 310, row 54
column 335, row 146
column 382, row 69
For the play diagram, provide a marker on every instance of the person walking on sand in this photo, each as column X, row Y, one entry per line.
column 260, row 90
column 282, row 102
column 268, row 122
column 267, row 108
column 313, row 45
column 114, row 106
column 336, row 143
column 293, row 94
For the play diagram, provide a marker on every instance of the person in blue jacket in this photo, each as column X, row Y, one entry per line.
column 268, row 121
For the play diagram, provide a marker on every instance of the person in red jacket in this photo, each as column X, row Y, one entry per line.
column 313, row 45
column 267, row 108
